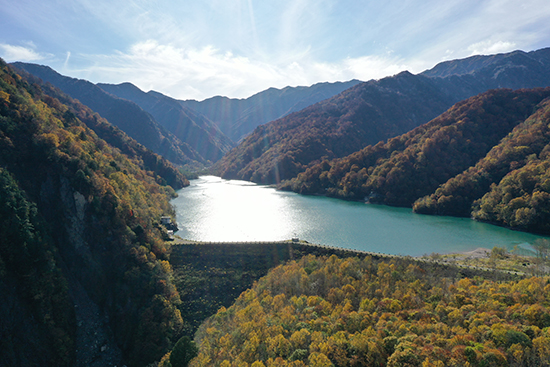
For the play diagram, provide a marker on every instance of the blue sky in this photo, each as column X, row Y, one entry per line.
column 236, row 48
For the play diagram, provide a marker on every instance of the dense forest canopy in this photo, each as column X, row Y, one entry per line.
column 321, row 311
column 361, row 115
column 509, row 186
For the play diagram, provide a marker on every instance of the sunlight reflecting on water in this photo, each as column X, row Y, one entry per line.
column 221, row 210
column 212, row 209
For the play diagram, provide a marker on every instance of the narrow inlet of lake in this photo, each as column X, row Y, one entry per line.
column 212, row 209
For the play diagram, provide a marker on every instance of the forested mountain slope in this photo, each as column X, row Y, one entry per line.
column 510, row 186
column 374, row 111
column 76, row 210
column 122, row 113
column 239, row 117
column 454, row 159
column 187, row 125
column 321, row 311
column 164, row 171
column 361, row 115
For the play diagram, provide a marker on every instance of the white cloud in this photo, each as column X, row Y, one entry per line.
column 491, row 47
column 373, row 67
column 202, row 73
column 12, row 53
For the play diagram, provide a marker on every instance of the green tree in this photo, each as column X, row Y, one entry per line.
column 184, row 351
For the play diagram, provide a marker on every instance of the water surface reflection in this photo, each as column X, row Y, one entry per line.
column 212, row 209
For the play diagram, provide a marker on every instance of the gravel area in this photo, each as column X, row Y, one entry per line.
column 94, row 340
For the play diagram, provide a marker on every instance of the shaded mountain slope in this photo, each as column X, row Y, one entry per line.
column 239, row 117
column 163, row 170
column 74, row 210
column 187, row 125
column 362, row 115
column 124, row 114
column 371, row 112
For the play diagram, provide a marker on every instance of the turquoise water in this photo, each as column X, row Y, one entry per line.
column 212, row 209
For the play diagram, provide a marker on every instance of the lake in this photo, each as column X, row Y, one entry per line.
column 212, row 209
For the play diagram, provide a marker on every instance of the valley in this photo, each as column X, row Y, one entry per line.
column 89, row 172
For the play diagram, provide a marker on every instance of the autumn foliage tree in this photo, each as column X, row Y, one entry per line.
column 323, row 311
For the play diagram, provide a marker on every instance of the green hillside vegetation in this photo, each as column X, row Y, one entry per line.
column 75, row 207
column 442, row 167
column 164, row 171
column 326, row 311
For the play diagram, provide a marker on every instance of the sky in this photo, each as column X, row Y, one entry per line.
column 236, row 48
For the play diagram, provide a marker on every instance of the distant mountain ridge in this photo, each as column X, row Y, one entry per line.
column 186, row 124
column 473, row 64
column 186, row 132
column 238, row 117
column 373, row 111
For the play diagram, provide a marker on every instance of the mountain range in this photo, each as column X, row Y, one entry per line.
column 187, row 125
column 228, row 120
column 189, row 133
column 362, row 143
column 374, row 111
column 86, row 276
column 238, row 117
